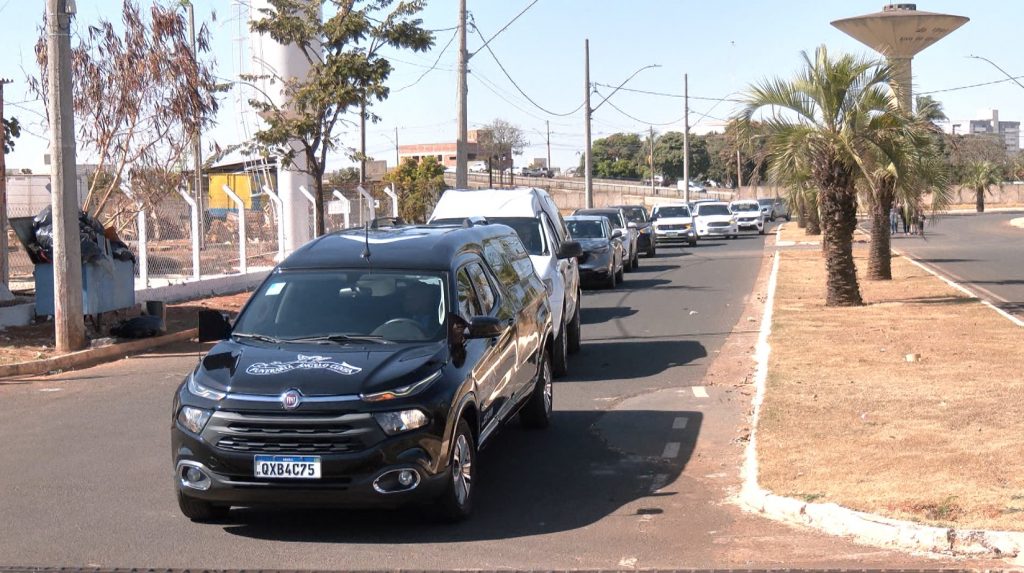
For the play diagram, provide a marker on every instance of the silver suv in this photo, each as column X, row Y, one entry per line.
column 772, row 209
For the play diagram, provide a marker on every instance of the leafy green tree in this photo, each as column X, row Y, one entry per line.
column 668, row 156
column 418, row 185
column 12, row 130
column 980, row 176
column 829, row 117
column 618, row 156
column 347, row 72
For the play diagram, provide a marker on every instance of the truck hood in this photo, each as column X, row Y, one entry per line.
column 674, row 221
column 317, row 369
column 715, row 218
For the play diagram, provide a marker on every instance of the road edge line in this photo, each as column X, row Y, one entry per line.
column 956, row 285
column 836, row 520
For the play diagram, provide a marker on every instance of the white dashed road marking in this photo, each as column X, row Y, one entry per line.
column 671, row 450
column 680, row 423
column 700, row 392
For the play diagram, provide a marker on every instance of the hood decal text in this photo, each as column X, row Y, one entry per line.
column 302, row 362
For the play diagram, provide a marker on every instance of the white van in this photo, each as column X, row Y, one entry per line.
column 534, row 216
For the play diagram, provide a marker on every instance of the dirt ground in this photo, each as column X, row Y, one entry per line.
column 36, row 341
column 911, row 406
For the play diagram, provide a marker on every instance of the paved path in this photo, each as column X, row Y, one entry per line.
column 634, row 472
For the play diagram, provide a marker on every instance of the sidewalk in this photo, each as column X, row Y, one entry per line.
column 907, row 410
column 30, row 349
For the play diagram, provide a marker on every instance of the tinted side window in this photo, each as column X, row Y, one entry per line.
column 494, row 254
column 468, row 304
column 484, row 291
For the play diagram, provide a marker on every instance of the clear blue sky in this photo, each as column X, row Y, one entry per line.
column 723, row 46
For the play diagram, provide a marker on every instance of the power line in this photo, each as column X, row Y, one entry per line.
column 503, row 28
column 433, row 66
column 519, row 89
column 671, row 95
column 958, row 88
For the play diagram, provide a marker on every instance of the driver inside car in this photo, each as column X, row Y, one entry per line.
column 420, row 304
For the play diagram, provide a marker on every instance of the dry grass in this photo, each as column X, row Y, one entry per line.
column 847, row 419
column 792, row 234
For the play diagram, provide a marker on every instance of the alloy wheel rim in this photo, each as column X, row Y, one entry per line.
column 548, row 388
column 462, row 469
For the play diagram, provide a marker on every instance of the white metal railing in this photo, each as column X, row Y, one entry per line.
column 242, row 260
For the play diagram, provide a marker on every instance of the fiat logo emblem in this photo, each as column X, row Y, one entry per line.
column 291, row 399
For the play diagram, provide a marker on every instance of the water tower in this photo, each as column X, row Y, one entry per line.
column 899, row 32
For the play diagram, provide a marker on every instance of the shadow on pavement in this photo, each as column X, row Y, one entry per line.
column 597, row 315
column 632, row 359
column 657, row 268
column 530, row 483
column 940, row 260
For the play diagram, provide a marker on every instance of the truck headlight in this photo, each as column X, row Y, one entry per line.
column 403, row 391
column 197, row 389
column 401, row 421
column 194, row 419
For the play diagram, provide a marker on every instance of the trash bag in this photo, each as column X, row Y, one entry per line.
column 144, row 326
column 90, row 234
column 121, row 252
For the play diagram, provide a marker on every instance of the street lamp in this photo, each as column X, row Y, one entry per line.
column 996, row 66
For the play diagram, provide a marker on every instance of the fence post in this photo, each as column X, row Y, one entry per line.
column 369, row 202
column 140, row 223
column 279, row 216
column 194, row 210
column 243, row 264
column 312, row 201
column 390, row 192
column 346, row 206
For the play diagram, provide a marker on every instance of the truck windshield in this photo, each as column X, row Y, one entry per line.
column 709, row 209
column 667, row 212
column 341, row 305
column 744, row 207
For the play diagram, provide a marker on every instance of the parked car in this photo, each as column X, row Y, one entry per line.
column 637, row 215
column 630, row 236
column 517, row 171
column 534, row 216
column 714, row 220
column 537, row 172
column 748, row 215
column 673, row 224
column 659, row 180
column 603, row 253
column 367, row 369
column 772, row 209
column 477, row 167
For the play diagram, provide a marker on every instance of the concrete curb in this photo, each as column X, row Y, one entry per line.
column 93, row 356
column 837, row 520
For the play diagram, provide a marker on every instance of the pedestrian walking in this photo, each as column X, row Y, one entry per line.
column 906, row 223
column 894, row 220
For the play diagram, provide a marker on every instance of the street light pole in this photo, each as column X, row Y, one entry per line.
column 461, row 158
column 686, row 138
column 5, row 273
column 197, row 146
column 587, row 112
column 69, row 322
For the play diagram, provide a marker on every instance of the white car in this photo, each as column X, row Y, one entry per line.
column 748, row 215
column 713, row 219
column 477, row 167
column 537, row 221
column 673, row 224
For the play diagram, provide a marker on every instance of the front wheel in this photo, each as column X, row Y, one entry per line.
column 201, row 511
column 652, row 252
column 760, row 231
column 575, row 336
column 536, row 414
column 560, row 355
column 456, row 502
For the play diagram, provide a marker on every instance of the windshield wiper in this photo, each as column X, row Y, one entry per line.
column 260, row 337
column 339, row 338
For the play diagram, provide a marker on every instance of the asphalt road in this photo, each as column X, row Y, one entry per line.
column 636, row 470
column 983, row 252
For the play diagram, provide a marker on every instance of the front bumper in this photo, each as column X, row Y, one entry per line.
column 645, row 242
column 596, row 267
column 347, row 479
column 751, row 225
column 667, row 236
column 717, row 231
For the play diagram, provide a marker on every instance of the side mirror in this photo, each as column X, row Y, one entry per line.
column 485, row 327
column 570, row 250
column 632, row 225
column 617, row 233
column 213, row 326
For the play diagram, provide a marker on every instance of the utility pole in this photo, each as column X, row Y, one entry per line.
column 461, row 173
column 197, row 166
column 686, row 138
column 5, row 270
column 362, row 141
column 69, row 323
column 587, row 160
column 654, row 190
column 397, row 160
column 739, row 174
column 548, row 124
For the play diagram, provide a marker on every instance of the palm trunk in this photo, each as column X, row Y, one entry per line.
column 839, row 219
column 979, row 200
column 813, row 216
column 801, row 213
column 879, row 251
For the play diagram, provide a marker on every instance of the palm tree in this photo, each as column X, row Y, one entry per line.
column 979, row 177
column 903, row 166
column 828, row 115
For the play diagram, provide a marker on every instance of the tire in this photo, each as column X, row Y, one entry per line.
column 613, row 279
column 560, row 354
column 652, row 251
column 575, row 335
column 692, row 243
column 456, row 501
column 201, row 511
column 787, row 217
column 760, row 231
column 619, row 274
column 636, row 262
column 536, row 413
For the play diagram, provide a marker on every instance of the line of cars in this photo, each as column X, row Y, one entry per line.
column 372, row 364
